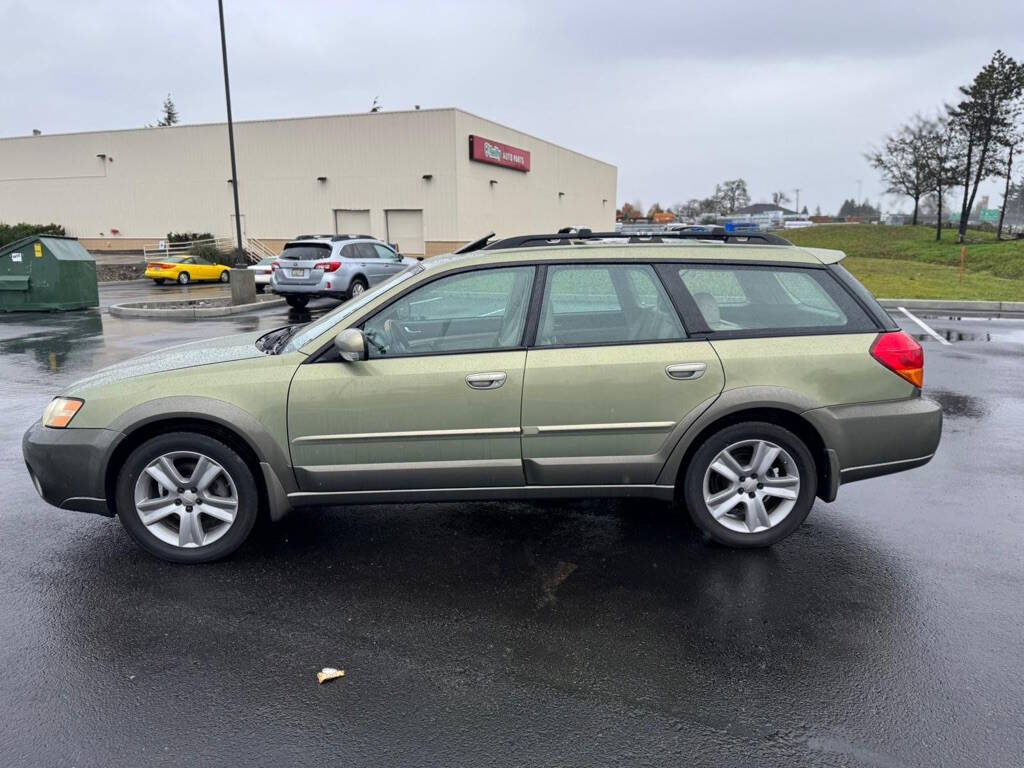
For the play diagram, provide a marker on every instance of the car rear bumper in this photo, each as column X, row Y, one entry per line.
column 161, row 274
column 873, row 439
column 68, row 466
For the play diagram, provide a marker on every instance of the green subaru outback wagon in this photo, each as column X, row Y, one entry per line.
column 738, row 376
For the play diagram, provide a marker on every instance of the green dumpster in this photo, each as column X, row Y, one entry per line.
column 44, row 272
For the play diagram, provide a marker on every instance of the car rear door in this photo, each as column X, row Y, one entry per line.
column 436, row 404
column 612, row 380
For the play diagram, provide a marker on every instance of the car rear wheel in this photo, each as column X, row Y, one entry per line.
column 187, row 497
column 357, row 287
column 297, row 301
column 225, row 276
column 184, row 278
column 750, row 485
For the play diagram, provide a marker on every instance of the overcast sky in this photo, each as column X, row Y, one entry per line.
column 679, row 96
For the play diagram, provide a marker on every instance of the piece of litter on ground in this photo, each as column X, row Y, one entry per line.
column 329, row 673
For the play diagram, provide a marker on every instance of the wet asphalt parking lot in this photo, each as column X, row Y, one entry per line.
column 887, row 631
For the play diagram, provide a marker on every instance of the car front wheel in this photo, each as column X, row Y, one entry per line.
column 225, row 276
column 750, row 485
column 187, row 497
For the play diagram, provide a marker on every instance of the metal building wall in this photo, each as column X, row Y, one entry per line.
column 146, row 182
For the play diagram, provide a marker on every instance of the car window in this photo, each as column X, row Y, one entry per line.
column 189, row 260
column 605, row 304
column 385, row 253
column 480, row 310
column 757, row 298
column 306, row 251
column 365, row 251
column 201, row 260
column 342, row 312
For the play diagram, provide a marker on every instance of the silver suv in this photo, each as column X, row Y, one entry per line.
column 336, row 266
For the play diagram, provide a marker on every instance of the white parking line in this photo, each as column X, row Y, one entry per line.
column 925, row 326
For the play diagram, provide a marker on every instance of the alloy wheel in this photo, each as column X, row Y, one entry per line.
column 186, row 499
column 751, row 486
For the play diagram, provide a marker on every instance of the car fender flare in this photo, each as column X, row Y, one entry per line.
column 274, row 465
column 730, row 402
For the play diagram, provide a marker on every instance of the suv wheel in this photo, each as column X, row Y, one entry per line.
column 297, row 301
column 187, row 497
column 357, row 287
column 750, row 485
column 183, row 278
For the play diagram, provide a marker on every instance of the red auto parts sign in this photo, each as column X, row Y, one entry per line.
column 494, row 152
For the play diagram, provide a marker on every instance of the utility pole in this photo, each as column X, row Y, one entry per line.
column 239, row 253
column 859, row 182
column 797, row 190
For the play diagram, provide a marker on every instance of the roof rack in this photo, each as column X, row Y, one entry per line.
column 335, row 238
column 574, row 236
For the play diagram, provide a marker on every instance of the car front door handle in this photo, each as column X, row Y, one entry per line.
column 491, row 380
column 686, row 371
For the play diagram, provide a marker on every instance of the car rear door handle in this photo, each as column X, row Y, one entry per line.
column 686, row 371
column 491, row 380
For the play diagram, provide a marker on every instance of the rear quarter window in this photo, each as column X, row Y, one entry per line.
column 748, row 300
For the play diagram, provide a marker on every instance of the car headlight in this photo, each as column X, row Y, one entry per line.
column 61, row 411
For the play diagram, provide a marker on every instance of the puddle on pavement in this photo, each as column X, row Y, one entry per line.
column 956, row 405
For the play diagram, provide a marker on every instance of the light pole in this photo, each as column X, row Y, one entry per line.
column 797, row 190
column 239, row 253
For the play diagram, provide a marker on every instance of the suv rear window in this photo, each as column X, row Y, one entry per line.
column 739, row 298
column 306, row 251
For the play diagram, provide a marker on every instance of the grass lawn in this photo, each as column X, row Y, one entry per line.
column 907, row 263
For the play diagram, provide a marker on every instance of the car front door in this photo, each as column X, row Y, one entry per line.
column 437, row 402
column 390, row 262
column 611, row 381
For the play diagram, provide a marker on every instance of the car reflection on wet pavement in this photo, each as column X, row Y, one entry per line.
column 885, row 631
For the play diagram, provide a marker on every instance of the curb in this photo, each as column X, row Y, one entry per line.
column 973, row 308
column 189, row 313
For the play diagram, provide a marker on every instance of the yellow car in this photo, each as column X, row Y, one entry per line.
column 185, row 269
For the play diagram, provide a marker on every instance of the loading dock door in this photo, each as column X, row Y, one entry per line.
column 352, row 222
column 405, row 229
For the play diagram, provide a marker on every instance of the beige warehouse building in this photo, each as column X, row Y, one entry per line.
column 428, row 180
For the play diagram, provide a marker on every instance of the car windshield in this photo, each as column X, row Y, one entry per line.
column 306, row 251
column 266, row 262
column 336, row 316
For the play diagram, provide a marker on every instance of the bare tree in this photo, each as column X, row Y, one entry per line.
column 944, row 150
column 732, row 195
column 780, row 198
column 984, row 117
column 903, row 161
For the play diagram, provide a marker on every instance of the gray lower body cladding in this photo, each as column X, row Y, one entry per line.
column 873, row 439
column 68, row 466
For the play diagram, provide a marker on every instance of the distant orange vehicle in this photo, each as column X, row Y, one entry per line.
column 185, row 269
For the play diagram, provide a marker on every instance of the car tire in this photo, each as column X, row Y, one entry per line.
column 357, row 286
column 297, row 301
column 165, row 536
column 770, row 493
column 184, row 278
column 225, row 276
column 158, row 280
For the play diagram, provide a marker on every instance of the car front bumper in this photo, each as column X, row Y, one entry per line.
column 68, row 466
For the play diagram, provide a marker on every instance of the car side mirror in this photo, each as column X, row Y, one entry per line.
column 351, row 345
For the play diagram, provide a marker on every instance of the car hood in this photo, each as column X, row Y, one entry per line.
column 195, row 353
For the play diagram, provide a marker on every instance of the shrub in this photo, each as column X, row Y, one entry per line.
column 10, row 233
column 187, row 237
column 212, row 253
